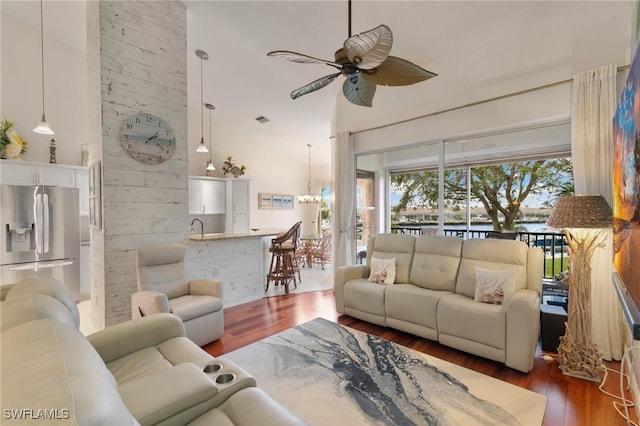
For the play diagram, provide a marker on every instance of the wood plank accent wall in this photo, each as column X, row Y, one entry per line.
column 143, row 68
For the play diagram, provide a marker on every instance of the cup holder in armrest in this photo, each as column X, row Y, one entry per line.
column 225, row 378
column 212, row 368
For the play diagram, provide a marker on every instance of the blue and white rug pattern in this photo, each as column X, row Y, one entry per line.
column 328, row 374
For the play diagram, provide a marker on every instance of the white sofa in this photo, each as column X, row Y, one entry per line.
column 433, row 294
column 144, row 371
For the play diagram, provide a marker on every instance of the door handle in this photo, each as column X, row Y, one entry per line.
column 38, row 214
column 45, row 209
column 40, row 265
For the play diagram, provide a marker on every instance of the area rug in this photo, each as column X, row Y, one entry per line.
column 328, row 374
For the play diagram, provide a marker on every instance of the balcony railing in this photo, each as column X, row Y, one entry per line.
column 553, row 244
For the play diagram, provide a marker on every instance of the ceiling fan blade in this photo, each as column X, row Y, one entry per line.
column 314, row 85
column 358, row 91
column 301, row 59
column 397, row 72
column 369, row 49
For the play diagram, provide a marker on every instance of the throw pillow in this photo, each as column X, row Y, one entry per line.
column 495, row 287
column 383, row 271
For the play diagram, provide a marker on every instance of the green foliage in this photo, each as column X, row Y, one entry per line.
column 500, row 188
column 11, row 145
column 230, row 167
column 5, row 125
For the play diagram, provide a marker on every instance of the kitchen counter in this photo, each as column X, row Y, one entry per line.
column 265, row 232
column 239, row 261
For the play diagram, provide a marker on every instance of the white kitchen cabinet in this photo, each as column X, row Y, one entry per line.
column 207, row 196
column 27, row 174
column 240, row 223
column 238, row 204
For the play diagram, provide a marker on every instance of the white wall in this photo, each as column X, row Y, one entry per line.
column 65, row 77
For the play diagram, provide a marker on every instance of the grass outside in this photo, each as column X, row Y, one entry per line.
column 555, row 266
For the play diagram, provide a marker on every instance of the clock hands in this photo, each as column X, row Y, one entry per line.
column 152, row 137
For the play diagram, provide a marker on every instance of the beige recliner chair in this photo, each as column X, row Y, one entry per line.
column 163, row 287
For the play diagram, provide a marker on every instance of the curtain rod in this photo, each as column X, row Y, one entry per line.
column 484, row 101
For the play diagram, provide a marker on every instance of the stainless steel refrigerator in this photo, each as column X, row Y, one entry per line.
column 40, row 234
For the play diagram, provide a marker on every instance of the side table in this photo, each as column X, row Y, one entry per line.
column 552, row 326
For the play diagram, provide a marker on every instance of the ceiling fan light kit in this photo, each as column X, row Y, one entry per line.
column 365, row 62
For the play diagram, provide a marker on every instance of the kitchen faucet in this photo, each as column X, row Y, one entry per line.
column 201, row 227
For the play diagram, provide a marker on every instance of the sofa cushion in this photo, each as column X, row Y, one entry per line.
column 33, row 306
column 49, row 286
column 398, row 246
column 366, row 296
column 409, row 303
column 484, row 323
column 189, row 307
column 249, row 406
column 435, row 262
column 46, row 364
column 491, row 254
column 137, row 365
column 382, row 271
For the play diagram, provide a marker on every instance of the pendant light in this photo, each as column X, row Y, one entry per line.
column 42, row 127
column 210, row 167
column 308, row 198
column 203, row 57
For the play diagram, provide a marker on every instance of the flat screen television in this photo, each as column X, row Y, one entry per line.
column 626, row 197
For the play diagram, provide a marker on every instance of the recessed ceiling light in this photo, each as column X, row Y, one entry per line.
column 262, row 119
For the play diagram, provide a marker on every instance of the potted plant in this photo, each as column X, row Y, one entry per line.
column 230, row 167
column 11, row 145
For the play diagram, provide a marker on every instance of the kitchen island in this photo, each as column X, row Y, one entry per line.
column 240, row 261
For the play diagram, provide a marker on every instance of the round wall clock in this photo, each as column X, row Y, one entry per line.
column 147, row 138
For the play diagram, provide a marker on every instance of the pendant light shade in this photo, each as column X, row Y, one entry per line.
column 308, row 198
column 201, row 146
column 210, row 167
column 43, row 127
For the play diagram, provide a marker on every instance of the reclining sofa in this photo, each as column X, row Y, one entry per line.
column 434, row 291
column 141, row 372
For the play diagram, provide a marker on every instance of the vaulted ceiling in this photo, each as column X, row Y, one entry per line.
column 479, row 49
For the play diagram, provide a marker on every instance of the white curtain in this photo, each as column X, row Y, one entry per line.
column 592, row 110
column 344, row 177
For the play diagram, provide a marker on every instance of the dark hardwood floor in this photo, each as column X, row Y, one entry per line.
column 570, row 401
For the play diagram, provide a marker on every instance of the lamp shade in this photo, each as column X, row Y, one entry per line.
column 43, row 128
column 581, row 211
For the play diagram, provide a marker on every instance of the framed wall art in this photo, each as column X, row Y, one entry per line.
column 268, row 201
column 265, row 201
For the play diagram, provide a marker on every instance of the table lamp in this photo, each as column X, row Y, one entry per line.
column 581, row 216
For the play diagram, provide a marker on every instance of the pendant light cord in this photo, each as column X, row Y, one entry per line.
column 309, row 179
column 201, row 102
column 349, row 28
column 42, row 55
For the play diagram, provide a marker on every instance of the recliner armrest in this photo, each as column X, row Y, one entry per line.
column 122, row 339
column 206, row 287
column 148, row 302
column 344, row 274
column 523, row 326
column 158, row 397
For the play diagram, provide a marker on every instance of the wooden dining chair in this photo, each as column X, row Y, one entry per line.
column 321, row 252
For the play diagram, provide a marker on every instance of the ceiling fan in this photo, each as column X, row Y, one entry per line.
column 365, row 62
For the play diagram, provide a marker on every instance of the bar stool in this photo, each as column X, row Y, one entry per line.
column 282, row 270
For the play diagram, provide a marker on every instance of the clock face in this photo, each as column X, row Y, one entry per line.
column 147, row 138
